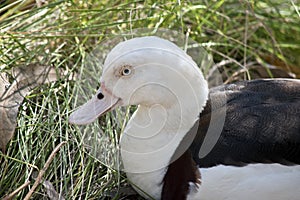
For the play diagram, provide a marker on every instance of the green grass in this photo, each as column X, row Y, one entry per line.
column 62, row 34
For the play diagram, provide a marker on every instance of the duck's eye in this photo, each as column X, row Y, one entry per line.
column 126, row 71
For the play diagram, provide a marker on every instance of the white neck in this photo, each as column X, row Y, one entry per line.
column 151, row 137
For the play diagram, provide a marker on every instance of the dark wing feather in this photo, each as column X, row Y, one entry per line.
column 262, row 124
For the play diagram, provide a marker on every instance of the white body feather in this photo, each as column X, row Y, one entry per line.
column 254, row 181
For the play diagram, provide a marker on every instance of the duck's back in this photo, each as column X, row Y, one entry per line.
column 262, row 123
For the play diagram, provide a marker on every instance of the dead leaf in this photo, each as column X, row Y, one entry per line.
column 25, row 79
column 51, row 192
column 281, row 64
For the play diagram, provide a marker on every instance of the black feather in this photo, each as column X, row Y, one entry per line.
column 262, row 124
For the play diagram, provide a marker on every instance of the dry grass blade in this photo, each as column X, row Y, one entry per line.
column 43, row 170
column 14, row 193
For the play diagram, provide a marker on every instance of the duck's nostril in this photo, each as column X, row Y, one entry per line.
column 100, row 96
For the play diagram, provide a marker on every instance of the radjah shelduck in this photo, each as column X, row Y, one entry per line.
column 256, row 156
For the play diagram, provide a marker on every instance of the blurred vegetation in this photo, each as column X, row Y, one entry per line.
column 248, row 39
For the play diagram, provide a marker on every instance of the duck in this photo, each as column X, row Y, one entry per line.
column 186, row 141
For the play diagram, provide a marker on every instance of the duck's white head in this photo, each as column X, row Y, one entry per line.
column 146, row 71
column 171, row 92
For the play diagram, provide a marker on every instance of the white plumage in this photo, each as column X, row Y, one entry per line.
column 254, row 181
